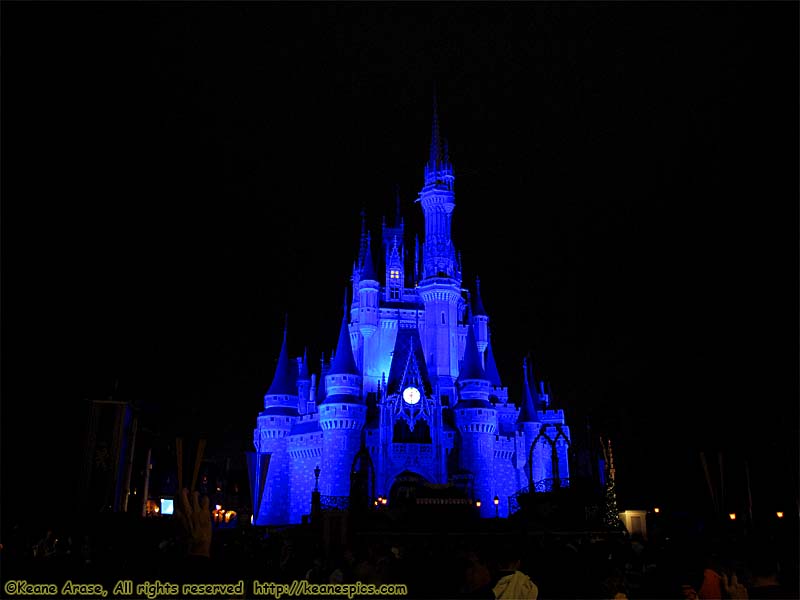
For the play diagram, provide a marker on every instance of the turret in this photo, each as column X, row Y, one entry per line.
column 342, row 416
column 476, row 420
column 368, row 290
column 273, row 425
column 479, row 319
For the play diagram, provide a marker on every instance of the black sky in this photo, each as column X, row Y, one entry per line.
column 178, row 176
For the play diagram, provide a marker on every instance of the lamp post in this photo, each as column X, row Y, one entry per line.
column 496, row 507
column 478, row 503
column 316, row 499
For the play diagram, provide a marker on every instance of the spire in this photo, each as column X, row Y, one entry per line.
column 471, row 365
column 477, row 303
column 436, row 142
column 284, row 383
column 362, row 248
column 534, row 390
column 491, row 367
column 304, row 366
column 343, row 363
column 527, row 411
column 368, row 267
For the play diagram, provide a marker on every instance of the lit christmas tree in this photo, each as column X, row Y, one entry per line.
column 611, row 513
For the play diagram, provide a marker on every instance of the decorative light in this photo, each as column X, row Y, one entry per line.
column 383, row 501
column 656, row 510
column 779, row 514
column 218, row 507
column 478, row 503
column 496, row 500
column 732, row 516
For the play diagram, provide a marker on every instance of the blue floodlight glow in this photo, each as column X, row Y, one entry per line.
column 347, row 434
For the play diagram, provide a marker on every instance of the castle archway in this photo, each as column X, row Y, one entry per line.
column 405, row 488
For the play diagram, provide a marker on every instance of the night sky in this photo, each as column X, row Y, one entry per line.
column 178, row 177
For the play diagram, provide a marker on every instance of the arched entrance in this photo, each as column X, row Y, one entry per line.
column 405, row 488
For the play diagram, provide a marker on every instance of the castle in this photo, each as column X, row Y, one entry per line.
column 412, row 391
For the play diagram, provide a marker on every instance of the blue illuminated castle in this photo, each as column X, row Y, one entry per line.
column 412, row 391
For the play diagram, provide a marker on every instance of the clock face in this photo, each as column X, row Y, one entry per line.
column 411, row 395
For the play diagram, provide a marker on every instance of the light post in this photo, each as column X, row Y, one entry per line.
column 316, row 499
column 496, row 507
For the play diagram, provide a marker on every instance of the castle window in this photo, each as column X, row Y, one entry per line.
column 394, row 293
column 394, row 274
column 442, row 317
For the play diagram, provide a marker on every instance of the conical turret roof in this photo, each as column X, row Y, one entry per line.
column 285, row 380
column 527, row 412
column 471, row 365
column 343, row 362
column 477, row 302
column 368, row 269
column 491, row 367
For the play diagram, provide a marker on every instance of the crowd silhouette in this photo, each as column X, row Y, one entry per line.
column 117, row 546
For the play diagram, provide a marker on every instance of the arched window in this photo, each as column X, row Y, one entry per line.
column 443, row 318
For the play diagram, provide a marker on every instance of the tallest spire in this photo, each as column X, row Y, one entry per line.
column 438, row 169
column 436, row 141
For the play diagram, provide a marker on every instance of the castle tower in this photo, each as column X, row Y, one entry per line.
column 342, row 415
column 539, row 460
column 476, row 420
column 272, row 426
column 440, row 287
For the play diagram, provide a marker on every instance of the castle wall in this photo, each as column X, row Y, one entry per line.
column 305, row 454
